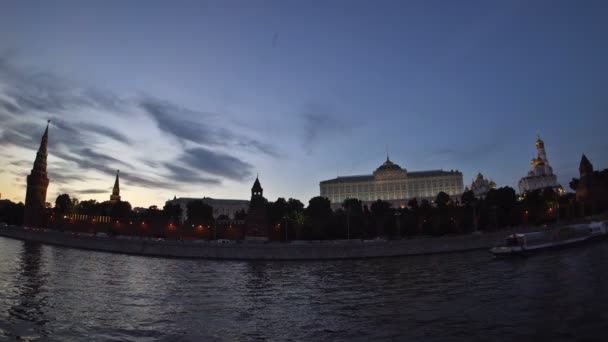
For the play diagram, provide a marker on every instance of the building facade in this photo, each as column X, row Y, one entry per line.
column 480, row 186
column 37, row 184
column 227, row 207
column 541, row 174
column 393, row 184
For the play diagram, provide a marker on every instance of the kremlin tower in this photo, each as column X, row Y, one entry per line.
column 115, row 197
column 256, row 224
column 37, row 184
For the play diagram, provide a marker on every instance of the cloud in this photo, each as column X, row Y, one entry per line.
column 215, row 163
column 104, row 131
column 171, row 120
column 317, row 121
column 92, row 191
column 186, row 175
column 30, row 90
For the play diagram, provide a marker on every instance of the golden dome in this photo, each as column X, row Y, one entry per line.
column 539, row 142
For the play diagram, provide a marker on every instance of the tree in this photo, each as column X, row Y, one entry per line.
column 574, row 184
column 89, row 207
column 63, row 205
column 199, row 212
column 121, row 209
column 277, row 210
column 172, row 212
column 320, row 215
column 413, row 204
column 319, row 208
column 352, row 206
column 380, row 208
column 467, row 198
column 294, row 205
column 442, row 200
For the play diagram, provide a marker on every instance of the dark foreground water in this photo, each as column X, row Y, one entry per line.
column 54, row 293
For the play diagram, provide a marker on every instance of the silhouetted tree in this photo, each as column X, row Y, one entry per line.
column 121, row 209
column 574, row 184
column 467, row 198
column 199, row 212
column 63, row 205
column 442, row 200
column 413, row 204
column 11, row 213
column 89, row 207
column 319, row 215
column 172, row 211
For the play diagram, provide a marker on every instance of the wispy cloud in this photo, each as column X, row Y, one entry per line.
column 215, row 163
column 317, row 121
column 179, row 123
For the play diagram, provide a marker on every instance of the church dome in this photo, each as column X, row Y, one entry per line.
column 540, row 143
column 388, row 165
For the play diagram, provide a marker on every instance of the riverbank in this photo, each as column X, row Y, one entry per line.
column 295, row 250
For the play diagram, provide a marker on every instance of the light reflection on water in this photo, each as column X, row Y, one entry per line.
column 63, row 294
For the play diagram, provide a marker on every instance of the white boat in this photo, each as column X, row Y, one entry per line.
column 536, row 241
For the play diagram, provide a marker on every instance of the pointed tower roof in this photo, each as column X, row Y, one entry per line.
column 116, row 190
column 585, row 167
column 41, row 155
column 257, row 187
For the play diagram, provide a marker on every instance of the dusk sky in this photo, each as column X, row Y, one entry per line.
column 194, row 98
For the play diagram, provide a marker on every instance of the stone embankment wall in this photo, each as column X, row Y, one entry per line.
column 299, row 250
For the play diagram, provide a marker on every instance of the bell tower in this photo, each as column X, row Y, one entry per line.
column 37, row 184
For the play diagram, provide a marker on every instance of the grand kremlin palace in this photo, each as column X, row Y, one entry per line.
column 394, row 184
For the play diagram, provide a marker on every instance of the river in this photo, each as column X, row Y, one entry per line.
column 62, row 294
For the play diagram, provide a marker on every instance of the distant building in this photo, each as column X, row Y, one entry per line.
column 228, row 207
column 541, row 173
column 480, row 186
column 394, row 184
column 256, row 223
column 115, row 197
column 37, row 184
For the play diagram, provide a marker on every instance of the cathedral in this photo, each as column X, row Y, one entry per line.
column 541, row 174
column 480, row 186
column 37, row 184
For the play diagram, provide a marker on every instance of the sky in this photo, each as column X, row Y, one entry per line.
column 195, row 98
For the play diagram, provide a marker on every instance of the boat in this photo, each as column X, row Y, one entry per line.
column 524, row 243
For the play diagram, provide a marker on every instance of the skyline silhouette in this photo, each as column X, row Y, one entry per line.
column 194, row 105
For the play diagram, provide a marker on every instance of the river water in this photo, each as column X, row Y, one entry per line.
column 55, row 293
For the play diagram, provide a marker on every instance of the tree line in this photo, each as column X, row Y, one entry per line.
column 290, row 219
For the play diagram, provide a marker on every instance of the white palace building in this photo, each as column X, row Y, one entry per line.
column 393, row 184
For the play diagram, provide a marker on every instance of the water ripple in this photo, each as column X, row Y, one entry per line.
column 52, row 293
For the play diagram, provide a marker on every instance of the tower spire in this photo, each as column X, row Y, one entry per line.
column 116, row 190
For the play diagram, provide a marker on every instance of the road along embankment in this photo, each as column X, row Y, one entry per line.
column 295, row 250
